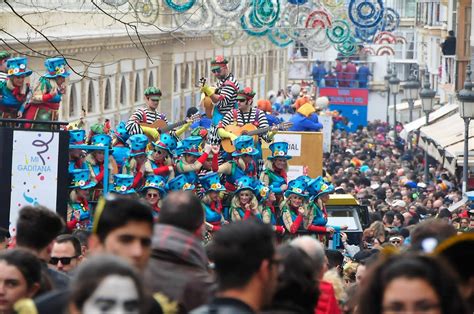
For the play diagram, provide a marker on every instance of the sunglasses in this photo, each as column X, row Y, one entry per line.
column 215, row 71
column 64, row 260
column 152, row 195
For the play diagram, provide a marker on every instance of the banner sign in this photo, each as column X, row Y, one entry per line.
column 326, row 121
column 351, row 102
column 294, row 143
column 34, row 170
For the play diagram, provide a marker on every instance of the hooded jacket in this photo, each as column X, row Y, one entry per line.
column 305, row 119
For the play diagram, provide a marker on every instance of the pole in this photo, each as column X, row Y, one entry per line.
column 410, row 105
column 466, row 153
column 395, row 114
column 427, row 179
column 388, row 104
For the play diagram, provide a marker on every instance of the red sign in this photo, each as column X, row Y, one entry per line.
column 346, row 96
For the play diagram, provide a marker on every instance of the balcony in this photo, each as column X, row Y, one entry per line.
column 447, row 80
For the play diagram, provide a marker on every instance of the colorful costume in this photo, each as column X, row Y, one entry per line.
column 78, row 211
column 293, row 220
column 120, row 148
column 236, row 211
column 122, row 184
column 14, row 94
column 47, row 95
column 77, row 161
column 213, row 209
column 158, row 184
column 267, row 208
column 180, row 183
column 163, row 166
column 96, row 167
column 274, row 178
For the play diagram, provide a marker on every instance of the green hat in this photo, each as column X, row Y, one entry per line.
column 245, row 94
column 218, row 61
column 4, row 55
column 153, row 92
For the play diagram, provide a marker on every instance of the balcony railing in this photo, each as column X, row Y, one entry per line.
column 448, row 70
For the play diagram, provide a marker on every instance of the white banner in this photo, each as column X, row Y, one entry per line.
column 294, row 143
column 294, row 172
column 326, row 121
column 34, row 170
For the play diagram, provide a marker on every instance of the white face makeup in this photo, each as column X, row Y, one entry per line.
column 114, row 295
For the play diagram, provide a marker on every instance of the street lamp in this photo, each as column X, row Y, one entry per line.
column 427, row 96
column 387, row 88
column 466, row 110
column 394, row 83
column 411, row 88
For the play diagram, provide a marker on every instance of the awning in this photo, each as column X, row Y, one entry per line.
column 434, row 116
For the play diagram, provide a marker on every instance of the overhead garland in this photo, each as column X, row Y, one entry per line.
column 318, row 24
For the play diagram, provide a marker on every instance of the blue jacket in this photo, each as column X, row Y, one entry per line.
column 302, row 123
column 318, row 73
column 363, row 74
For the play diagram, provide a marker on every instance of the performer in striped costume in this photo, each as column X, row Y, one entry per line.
column 4, row 55
column 223, row 97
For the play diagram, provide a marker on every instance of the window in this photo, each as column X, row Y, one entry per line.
column 107, row 95
column 262, row 64
column 176, row 79
column 137, row 88
column 72, row 101
column 123, row 92
column 255, row 66
column 197, row 72
column 185, row 76
column 151, row 79
column 90, row 98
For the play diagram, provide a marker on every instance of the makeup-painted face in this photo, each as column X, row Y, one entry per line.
column 279, row 163
column 114, row 295
column 13, row 287
column 410, row 295
column 245, row 197
column 295, row 200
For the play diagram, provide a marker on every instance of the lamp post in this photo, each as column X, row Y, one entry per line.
column 394, row 83
column 466, row 110
column 411, row 88
column 427, row 96
column 387, row 88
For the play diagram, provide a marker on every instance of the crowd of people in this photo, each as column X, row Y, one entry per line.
column 347, row 75
column 196, row 220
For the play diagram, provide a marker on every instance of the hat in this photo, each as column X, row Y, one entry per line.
column 314, row 186
column 17, row 67
column 81, row 179
column 121, row 132
column 245, row 94
column 279, row 150
column 218, row 61
column 155, row 182
column 211, row 182
column 122, row 184
column 166, row 142
column 262, row 192
column 458, row 250
column 56, row 67
column 297, row 187
column 245, row 183
column 153, row 93
column 326, row 188
column 244, row 146
column 180, row 183
column 305, row 178
column 191, row 145
column 101, row 140
column 77, row 137
column 4, row 55
column 138, row 144
column 364, row 168
column 398, row 203
column 179, row 150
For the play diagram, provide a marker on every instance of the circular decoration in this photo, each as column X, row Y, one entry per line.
column 385, row 51
column 147, row 11
column 249, row 28
column 368, row 51
column 318, row 41
column 347, row 48
column 279, row 38
column 226, row 34
column 391, row 20
column 293, row 21
column 182, row 6
column 256, row 46
column 318, row 19
column 115, row 3
column 366, row 34
column 229, row 9
column 400, row 40
column 266, row 12
column 196, row 22
column 385, row 38
column 339, row 32
column 366, row 13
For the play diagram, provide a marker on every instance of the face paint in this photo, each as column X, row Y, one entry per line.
column 114, row 295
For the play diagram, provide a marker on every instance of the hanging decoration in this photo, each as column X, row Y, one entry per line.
column 256, row 46
column 339, row 32
column 366, row 13
column 391, row 20
column 146, row 11
column 229, row 10
column 197, row 22
column 184, row 5
column 279, row 38
column 385, row 51
column 226, row 34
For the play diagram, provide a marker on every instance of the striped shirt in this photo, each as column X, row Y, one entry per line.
column 227, row 89
column 143, row 115
column 3, row 76
column 254, row 116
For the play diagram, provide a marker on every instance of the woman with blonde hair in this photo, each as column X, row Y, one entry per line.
column 276, row 168
column 244, row 203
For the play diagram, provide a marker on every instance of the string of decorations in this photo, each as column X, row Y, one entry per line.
column 349, row 26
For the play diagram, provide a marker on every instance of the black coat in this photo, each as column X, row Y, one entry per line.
column 448, row 47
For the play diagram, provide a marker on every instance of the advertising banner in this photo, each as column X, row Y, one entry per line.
column 34, row 170
column 352, row 104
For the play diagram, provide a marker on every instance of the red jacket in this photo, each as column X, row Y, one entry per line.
column 327, row 303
